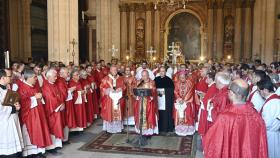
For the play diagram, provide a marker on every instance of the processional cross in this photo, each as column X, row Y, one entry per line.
column 174, row 52
column 73, row 43
column 113, row 50
column 151, row 52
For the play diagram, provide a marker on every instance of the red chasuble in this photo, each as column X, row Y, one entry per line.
column 151, row 108
column 107, row 102
column 185, row 91
column 202, row 86
column 34, row 118
column 91, row 80
column 89, row 99
column 130, row 82
column 79, row 109
column 220, row 103
column 53, row 99
column 203, row 123
column 238, row 132
column 68, row 114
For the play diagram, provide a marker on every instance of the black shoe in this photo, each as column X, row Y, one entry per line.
column 55, row 152
column 66, row 142
column 39, row 156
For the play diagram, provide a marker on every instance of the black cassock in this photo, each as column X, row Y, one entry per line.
column 166, row 123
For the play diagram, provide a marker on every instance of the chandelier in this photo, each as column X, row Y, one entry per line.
column 171, row 3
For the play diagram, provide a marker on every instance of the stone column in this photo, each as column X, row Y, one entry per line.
column 237, row 32
column 63, row 28
column 270, row 31
column 26, row 50
column 209, row 53
column 220, row 30
column 257, row 30
column 132, row 29
column 157, row 35
column 148, row 27
column 124, row 31
column 248, row 31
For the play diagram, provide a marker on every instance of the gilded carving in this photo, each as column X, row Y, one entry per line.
column 140, row 38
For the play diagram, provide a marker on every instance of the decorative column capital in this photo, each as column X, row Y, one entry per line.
column 131, row 7
column 149, row 6
column 123, row 7
column 210, row 4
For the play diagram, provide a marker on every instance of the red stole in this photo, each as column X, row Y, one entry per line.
column 273, row 96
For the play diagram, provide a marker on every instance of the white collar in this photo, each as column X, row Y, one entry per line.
column 112, row 77
column 27, row 83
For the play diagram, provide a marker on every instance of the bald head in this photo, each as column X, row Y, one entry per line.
column 240, row 88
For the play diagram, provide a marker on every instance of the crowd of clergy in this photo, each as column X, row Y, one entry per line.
column 234, row 108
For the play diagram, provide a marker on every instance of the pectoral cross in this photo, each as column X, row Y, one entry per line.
column 151, row 52
column 113, row 50
column 174, row 52
column 73, row 43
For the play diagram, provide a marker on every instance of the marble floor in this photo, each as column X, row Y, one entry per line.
column 71, row 150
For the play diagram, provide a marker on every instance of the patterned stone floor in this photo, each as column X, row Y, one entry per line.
column 71, row 150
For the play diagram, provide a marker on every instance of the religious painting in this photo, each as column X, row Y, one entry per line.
column 140, row 38
column 184, row 31
column 228, row 35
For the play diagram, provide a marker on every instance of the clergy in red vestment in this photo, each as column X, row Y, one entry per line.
column 112, row 90
column 92, row 81
column 130, row 82
column 54, row 104
column 239, row 131
column 79, row 101
column 183, row 113
column 200, row 90
column 212, row 90
column 68, row 114
column 220, row 101
column 36, row 135
column 86, row 85
column 150, row 110
column 99, row 75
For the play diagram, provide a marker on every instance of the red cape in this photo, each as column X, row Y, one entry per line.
column 238, row 132
column 53, row 100
column 34, row 119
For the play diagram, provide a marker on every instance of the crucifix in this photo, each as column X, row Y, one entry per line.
column 113, row 50
column 73, row 43
column 174, row 52
column 151, row 52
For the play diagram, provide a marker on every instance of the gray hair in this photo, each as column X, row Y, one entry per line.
column 28, row 73
column 50, row 72
column 223, row 78
column 83, row 73
column 73, row 71
column 63, row 69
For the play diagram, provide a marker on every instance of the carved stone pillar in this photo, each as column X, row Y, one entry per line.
column 132, row 29
column 63, row 28
column 270, row 31
column 220, row 30
column 237, row 32
column 248, row 31
column 148, row 27
column 124, row 31
column 157, row 35
column 209, row 53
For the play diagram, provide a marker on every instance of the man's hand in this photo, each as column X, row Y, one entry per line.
column 38, row 95
column 17, row 105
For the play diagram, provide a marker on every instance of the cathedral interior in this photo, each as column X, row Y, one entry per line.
column 90, row 30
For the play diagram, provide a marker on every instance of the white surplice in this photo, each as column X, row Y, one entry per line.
column 11, row 140
column 257, row 100
column 271, row 116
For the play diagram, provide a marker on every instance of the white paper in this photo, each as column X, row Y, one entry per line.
column 79, row 98
column 34, row 102
column 161, row 99
column 181, row 109
column 115, row 96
